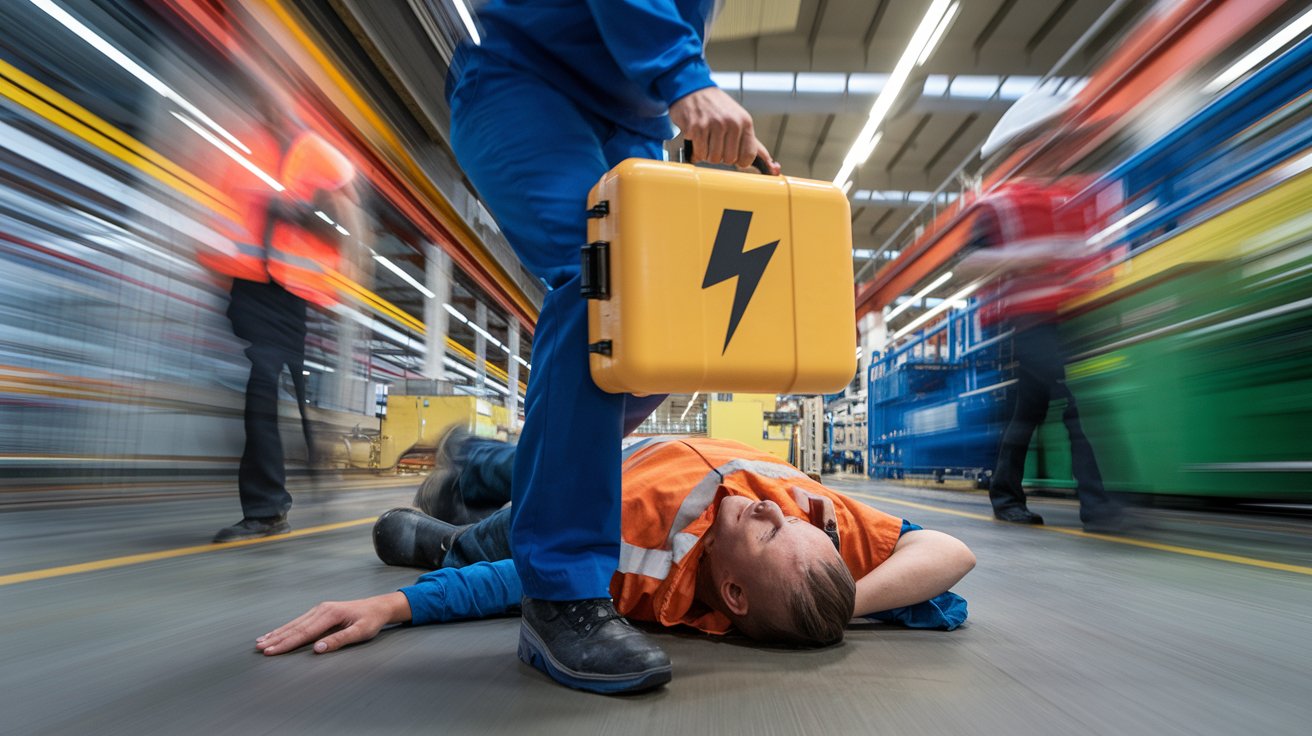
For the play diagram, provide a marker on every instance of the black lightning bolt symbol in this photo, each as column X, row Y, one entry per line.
column 728, row 259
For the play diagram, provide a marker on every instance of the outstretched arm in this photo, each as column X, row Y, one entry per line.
column 923, row 564
column 449, row 594
column 350, row 621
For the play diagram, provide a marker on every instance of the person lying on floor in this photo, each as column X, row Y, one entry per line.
column 716, row 536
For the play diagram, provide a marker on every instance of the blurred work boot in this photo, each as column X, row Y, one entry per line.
column 1018, row 516
column 438, row 495
column 587, row 645
column 409, row 538
column 1113, row 523
column 253, row 528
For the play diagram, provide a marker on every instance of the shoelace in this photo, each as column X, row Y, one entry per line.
column 591, row 613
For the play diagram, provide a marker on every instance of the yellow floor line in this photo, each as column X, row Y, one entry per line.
column 112, row 562
column 1117, row 538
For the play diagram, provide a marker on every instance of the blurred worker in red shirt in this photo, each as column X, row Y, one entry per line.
column 1032, row 248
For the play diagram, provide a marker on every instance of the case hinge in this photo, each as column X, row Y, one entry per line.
column 599, row 210
column 600, row 347
column 594, row 282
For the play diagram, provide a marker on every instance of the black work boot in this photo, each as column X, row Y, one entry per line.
column 587, row 645
column 438, row 496
column 1019, row 515
column 253, row 528
column 410, row 538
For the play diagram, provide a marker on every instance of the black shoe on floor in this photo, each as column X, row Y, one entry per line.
column 1018, row 516
column 1108, row 524
column 588, row 646
column 253, row 528
column 410, row 538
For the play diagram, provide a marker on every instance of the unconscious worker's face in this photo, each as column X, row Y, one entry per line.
column 756, row 553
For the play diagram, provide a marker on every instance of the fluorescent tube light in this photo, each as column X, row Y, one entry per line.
column 920, row 295
column 404, row 276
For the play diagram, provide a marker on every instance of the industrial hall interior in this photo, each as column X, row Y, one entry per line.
column 647, row 366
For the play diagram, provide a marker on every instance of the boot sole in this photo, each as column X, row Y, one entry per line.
column 284, row 529
column 535, row 654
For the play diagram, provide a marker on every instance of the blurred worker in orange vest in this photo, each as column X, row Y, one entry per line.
column 716, row 536
column 295, row 214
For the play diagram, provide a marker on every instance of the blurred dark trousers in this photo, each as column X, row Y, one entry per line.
column 483, row 481
column 1041, row 377
column 262, row 477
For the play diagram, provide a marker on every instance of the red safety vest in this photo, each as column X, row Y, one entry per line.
column 262, row 247
column 672, row 490
column 1026, row 212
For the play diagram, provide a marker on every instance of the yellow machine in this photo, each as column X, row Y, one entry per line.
column 709, row 280
column 745, row 418
column 413, row 424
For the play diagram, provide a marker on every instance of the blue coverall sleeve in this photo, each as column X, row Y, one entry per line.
column 452, row 593
column 944, row 612
column 654, row 46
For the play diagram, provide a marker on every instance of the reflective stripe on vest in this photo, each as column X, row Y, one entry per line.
column 656, row 563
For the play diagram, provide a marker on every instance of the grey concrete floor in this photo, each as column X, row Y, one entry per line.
column 1067, row 635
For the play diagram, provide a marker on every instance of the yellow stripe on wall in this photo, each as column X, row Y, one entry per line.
column 81, row 123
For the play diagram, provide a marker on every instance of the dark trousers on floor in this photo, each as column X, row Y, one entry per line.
column 482, row 482
column 1041, row 377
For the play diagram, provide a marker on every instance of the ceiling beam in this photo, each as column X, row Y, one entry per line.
column 952, row 139
column 779, row 139
column 869, row 36
column 819, row 143
column 908, row 143
column 989, row 28
column 880, row 221
column 1053, row 19
column 819, row 16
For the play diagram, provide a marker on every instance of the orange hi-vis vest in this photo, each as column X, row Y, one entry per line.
column 671, row 491
column 262, row 246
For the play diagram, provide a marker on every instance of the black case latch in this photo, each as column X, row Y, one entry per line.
column 600, row 347
column 594, row 281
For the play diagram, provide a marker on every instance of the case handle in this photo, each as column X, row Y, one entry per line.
column 594, row 280
column 758, row 163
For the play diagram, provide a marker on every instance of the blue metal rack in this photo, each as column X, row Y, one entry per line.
column 935, row 402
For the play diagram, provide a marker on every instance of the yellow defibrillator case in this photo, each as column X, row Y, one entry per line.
column 704, row 279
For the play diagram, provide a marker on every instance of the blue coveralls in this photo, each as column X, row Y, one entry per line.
column 557, row 94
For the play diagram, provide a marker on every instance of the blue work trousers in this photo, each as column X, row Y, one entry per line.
column 533, row 155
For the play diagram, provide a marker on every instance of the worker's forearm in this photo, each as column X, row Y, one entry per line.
column 397, row 607
column 923, row 565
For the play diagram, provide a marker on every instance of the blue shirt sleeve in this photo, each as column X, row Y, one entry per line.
column 654, row 46
column 944, row 612
column 452, row 593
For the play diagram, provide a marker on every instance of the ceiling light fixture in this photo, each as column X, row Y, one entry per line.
column 931, row 29
column 939, row 30
column 404, row 276
column 230, row 152
column 920, row 295
column 957, row 298
column 123, row 60
column 690, row 403
column 468, row 20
